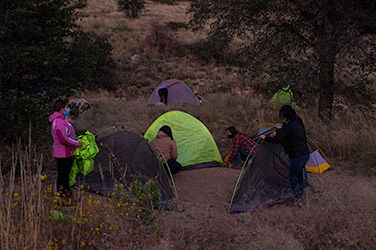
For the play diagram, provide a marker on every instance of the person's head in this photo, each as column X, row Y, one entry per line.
column 61, row 106
column 231, row 131
column 287, row 113
column 167, row 130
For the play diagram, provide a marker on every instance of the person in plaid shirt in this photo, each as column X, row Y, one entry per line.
column 242, row 145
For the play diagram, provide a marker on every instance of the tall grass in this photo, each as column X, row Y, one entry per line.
column 32, row 216
column 349, row 136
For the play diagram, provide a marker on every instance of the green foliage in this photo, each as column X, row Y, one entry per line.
column 43, row 55
column 162, row 39
column 146, row 195
column 310, row 45
column 132, row 8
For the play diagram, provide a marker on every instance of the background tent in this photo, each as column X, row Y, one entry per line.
column 265, row 181
column 282, row 97
column 317, row 162
column 196, row 146
column 122, row 156
column 178, row 93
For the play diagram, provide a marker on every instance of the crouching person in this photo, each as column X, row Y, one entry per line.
column 165, row 146
column 242, row 146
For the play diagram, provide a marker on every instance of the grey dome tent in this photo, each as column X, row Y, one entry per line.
column 178, row 93
column 123, row 155
column 317, row 163
column 265, row 181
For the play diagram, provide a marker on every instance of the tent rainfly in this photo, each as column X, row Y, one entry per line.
column 196, row 145
column 178, row 93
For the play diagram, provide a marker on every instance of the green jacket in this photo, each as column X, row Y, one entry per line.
column 83, row 157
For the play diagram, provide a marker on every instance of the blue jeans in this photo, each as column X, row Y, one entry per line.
column 297, row 166
column 241, row 155
column 174, row 166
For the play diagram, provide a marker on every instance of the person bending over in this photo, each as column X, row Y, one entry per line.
column 293, row 139
column 242, row 146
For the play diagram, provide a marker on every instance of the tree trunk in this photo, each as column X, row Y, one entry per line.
column 327, row 54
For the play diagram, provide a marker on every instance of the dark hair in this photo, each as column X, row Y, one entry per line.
column 287, row 112
column 167, row 130
column 59, row 104
column 232, row 130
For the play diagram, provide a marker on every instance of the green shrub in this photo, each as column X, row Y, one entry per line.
column 146, row 196
column 161, row 38
column 43, row 56
column 132, row 8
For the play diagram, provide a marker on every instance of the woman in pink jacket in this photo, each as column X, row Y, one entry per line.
column 64, row 135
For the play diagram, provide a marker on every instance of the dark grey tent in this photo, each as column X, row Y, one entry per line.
column 122, row 156
column 178, row 93
column 265, row 181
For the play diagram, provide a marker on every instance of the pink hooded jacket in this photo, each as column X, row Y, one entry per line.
column 64, row 135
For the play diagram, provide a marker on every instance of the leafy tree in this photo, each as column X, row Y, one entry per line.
column 43, row 55
column 324, row 46
column 132, row 8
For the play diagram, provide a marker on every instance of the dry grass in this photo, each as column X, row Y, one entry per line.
column 32, row 216
column 340, row 216
column 129, row 37
column 348, row 136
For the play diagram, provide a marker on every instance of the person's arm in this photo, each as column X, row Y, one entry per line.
column 64, row 138
column 174, row 150
column 280, row 135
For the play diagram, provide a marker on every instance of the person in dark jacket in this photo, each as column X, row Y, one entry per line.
column 293, row 139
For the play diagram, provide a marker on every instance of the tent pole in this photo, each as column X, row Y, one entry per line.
column 241, row 172
column 172, row 179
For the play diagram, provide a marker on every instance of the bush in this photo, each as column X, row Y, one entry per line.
column 177, row 25
column 147, row 196
column 132, row 8
column 161, row 38
column 43, row 56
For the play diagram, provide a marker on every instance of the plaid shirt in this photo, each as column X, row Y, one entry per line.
column 243, row 141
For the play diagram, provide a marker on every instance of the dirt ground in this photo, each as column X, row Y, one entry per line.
column 205, row 190
column 203, row 221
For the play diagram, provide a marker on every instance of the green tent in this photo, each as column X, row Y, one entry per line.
column 282, row 97
column 196, row 146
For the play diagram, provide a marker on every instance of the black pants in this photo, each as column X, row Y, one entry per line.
column 163, row 93
column 64, row 166
column 174, row 166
